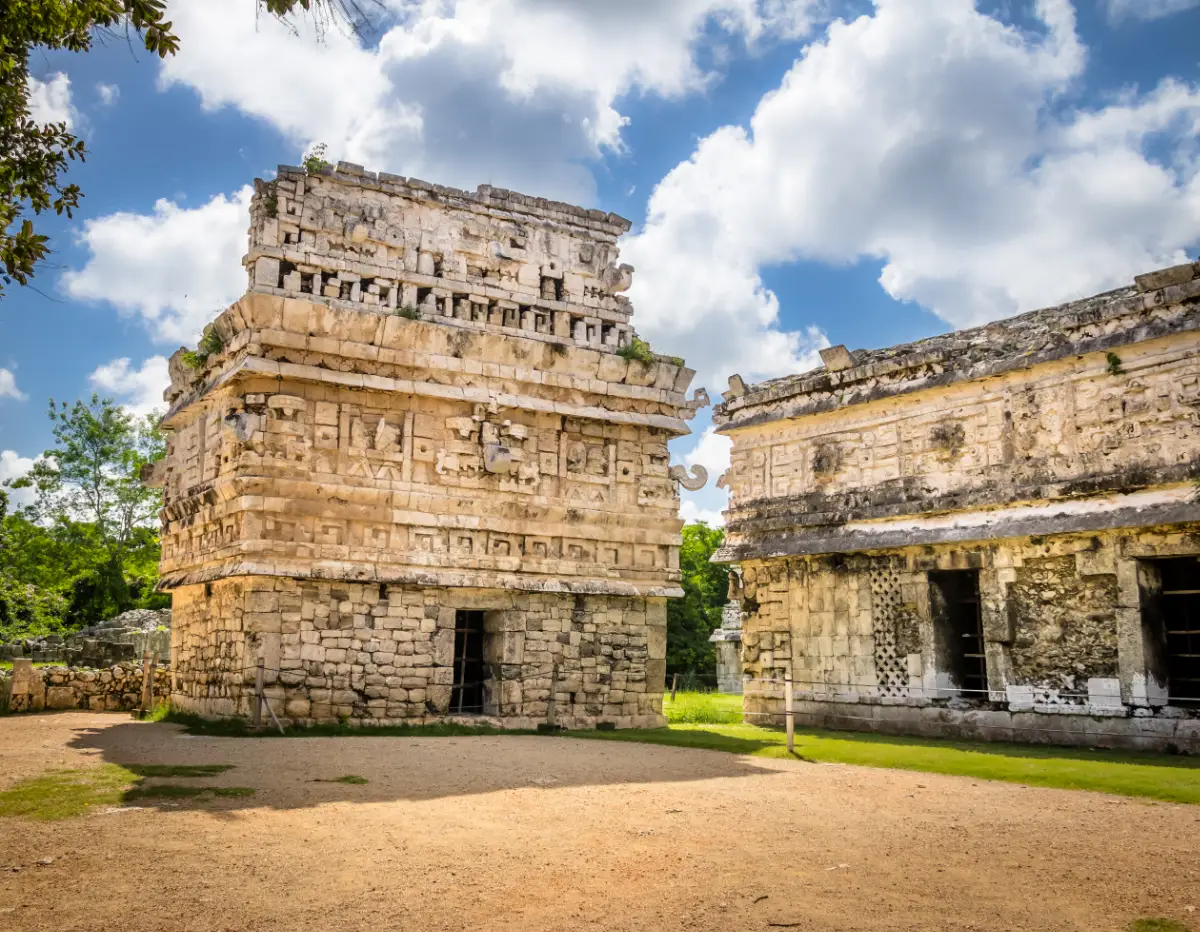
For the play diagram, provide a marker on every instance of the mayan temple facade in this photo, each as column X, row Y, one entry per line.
column 421, row 470
column 989, row 534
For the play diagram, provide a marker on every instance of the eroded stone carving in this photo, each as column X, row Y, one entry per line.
column 617, row 279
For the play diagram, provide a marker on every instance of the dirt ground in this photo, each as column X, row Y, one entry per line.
column 553, row 833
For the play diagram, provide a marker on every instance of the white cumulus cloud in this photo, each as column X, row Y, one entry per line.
column 937, row 139
column 50, row 100
column 1119, row 10
column 690, row 512
column 108, row 93
column 8, row 386
column 177, row 267
column 139, row 389
column 712, row 452
column 509, row 92
column 13, row 466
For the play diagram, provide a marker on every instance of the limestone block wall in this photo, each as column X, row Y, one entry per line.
column 1062, row 626
column 1060, row 429
column 492, row 259
column 313, row 477
column 118, row 688
column 1078, row 417
column 729, row 667
column 384, row 653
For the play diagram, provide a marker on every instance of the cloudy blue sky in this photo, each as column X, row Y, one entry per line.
column 798, row 171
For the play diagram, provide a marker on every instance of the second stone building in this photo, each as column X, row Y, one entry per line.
column 989, row 534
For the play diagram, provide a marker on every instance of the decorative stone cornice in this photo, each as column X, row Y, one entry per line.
column 1158, row 304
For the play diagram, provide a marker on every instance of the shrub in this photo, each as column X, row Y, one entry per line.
column 637, row 350
column 408, row 312
column 314, row 161
column 211, row 344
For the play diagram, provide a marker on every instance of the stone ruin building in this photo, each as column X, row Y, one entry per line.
column 990, row 534
column 728, row 641
column 419, row 470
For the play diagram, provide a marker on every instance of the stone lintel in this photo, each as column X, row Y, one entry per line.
column 864, row 536
column 418, row 577
column 798, row 514
column 254, row 365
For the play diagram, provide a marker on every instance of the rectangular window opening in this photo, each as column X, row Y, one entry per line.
column 470, row 672
column 958, row 630
column 1170, row 597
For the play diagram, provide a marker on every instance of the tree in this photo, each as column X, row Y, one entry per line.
column 692, row 619
column 92, row 518
column 25, row 609
column 34, row 157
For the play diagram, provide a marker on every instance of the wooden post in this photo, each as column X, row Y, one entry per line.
column 550, row 705
column 153, row 678
column 147, row 684
column 271, row 712
column 674, row 686
column 789, row 712
column 258, row 693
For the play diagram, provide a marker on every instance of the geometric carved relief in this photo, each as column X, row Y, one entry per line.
column 891, row 667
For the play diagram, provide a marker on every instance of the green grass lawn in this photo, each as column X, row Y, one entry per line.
column 7, row 664
column 702, row 708
column 1176, row 779
column 713, row 721
column 64, row 794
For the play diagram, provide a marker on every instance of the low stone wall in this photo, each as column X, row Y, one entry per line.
column 118, row 688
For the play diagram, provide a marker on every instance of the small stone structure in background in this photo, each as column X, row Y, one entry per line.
column 423, row 468
column 728, row 639
column 128, row 636
column 992, row 533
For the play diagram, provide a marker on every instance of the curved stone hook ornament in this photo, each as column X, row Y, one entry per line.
column 692, row 483
column 617, row 279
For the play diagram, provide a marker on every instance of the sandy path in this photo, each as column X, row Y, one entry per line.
column 540, row 833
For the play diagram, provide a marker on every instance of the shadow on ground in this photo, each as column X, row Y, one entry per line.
column 299, row 772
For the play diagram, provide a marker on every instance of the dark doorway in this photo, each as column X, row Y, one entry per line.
column 958, row 630
column 1171, row 626
column 466, row 694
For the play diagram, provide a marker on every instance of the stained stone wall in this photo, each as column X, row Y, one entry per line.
column 1062, row 628
column 423, row 403
column 384, row 655
column 1052, row 454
